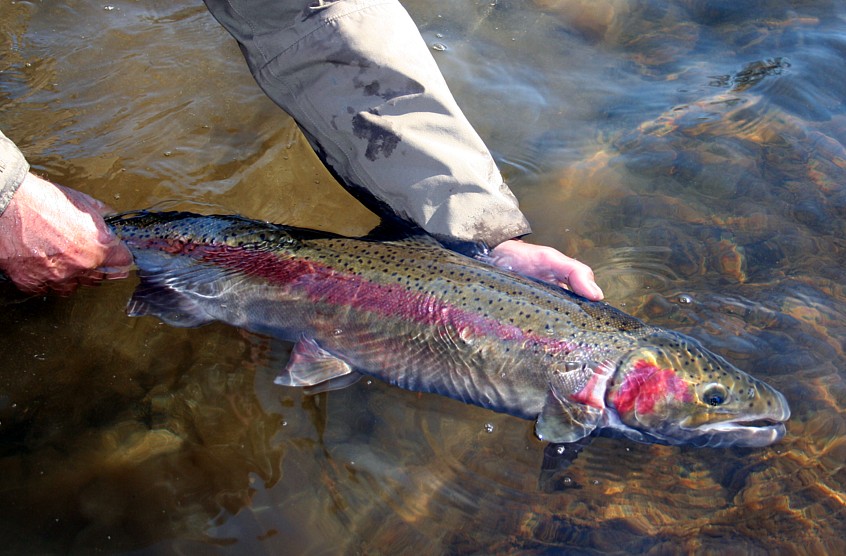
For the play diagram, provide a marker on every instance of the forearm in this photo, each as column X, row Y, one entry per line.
column 13, row 170
column 358, row 78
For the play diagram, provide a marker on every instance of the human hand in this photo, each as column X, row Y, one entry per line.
column 547, row 264
column 54, row 238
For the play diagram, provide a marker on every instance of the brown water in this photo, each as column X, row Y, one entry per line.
column 691, row 151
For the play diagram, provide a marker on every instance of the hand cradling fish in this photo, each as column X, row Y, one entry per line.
column 419, row 316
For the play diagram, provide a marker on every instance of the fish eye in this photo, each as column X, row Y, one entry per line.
column 715, row 394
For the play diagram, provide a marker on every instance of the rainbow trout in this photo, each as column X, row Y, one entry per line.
column 417, row 315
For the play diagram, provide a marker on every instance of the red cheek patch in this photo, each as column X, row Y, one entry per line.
column 647, row 385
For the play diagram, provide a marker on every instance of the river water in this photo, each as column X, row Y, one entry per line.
column 691, row 151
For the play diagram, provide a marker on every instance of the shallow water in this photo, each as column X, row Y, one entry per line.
column 690, row 151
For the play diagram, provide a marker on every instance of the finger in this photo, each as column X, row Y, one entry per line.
column 63, row 288
column 105, row 210
column 85, row 202
column 118, row 257
column 91, row 277
column 114, row 273
column 581, row 281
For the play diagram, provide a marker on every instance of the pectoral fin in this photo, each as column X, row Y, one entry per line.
column 575, row 402
column 563, row 422
column 311, row 365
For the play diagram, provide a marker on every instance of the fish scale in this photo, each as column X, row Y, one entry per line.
column 422, row 317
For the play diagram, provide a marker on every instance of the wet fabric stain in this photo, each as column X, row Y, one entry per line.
column 381, row 141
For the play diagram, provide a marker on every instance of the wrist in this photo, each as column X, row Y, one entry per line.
column 14, row 169
column 24, row 191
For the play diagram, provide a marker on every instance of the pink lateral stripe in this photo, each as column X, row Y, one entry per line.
column 328, row 285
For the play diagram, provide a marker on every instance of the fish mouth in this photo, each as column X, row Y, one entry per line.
column 744, row 430
column 741, row 431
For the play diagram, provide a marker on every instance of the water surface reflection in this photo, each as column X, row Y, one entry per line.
column 691, row 151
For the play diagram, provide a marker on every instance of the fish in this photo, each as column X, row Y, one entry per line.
column 410, row 312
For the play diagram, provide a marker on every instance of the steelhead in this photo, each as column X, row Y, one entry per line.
column 424, row 318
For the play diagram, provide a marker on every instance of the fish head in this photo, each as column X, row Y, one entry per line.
column 671, row 390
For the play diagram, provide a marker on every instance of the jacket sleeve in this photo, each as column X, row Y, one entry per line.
column 13, row 170
column 358, row 78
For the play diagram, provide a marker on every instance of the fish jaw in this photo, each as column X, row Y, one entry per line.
column 673, row 391
column 750, row 430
